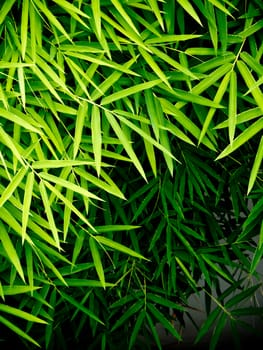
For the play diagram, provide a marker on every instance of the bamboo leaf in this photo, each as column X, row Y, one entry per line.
column 251, row 83
column 136, row 329
column 221, row 7
column 124, row 15
column 17, row 330
column 133, row 309
column 190, row 10
column 80, row 121
column 27, row 203
column 247, row 134
column 120, row 247
column 67, row 184
column 218, row 97
column 49, row 213
column 19, row 313
column 256, row 166
column 125, row 142
column 80, row 307
column 95, row 6
column 96, row 136
column 63, row 163
column 129, row 91
column 24, row 27
column 69, row 204
column 232, row 108
column 172, row 62
column 51, row 18
column 7, row 6
column 12, row 186
column 147, row 137
column 97, row 260
column 10, row 250
column 163, row 320
column 210, row 320
column 171, row 38
column 154, row 66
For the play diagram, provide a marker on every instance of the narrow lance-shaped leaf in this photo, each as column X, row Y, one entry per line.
column 129, row 91
column 51, row 18
column 49, row 213
column 68, row 203
column 79, row 125
column 24, row 27
column 120, row 247
column 21, row 82
column 95, row 6
column 247, row 134
column 97, row 260
column 256, row 166
column 80, row 307
column 96, row 136
column 154, row 66
column 190, row 10
column 232, row 107
column 12, row 186
column 67, row 184
column 125, row 142
column 221, row 7
column 19, row 313
column 28, row 193
column 10, row 250
column 218, row 97
column 17, row 330
column 6, row 7
column 163, row 321
column 251, row 83
column 124, row 15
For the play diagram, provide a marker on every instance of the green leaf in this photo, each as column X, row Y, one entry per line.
column 256, row 166
column 136, row 328
column 97, row 260
column 163, row 320
column 17, row 330
column 27, row 203
column 190, row 10
column 6, row 7
column 232, row 107
column 13, row 185
column 19, row 313
column 70, row 205
column 251, row 83
column 240, row 297
column 17, row 289
column 247, row 134
column 133, row 309
column 218, row 331
column 49, row 213
column 96, row 136
column 154, row 66
column 80, row 307
column 51, row 18
column 10, row 250
column 125, row 142
column 221, row 7
column 210, row 320
column 120, row 247
column 129, row 91
column 95, row 6
column 67, row 184
column 124, row 15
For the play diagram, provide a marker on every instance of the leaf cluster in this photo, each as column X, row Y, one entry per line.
column 130, row 165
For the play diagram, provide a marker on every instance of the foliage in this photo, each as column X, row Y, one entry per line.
column 130, row 154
